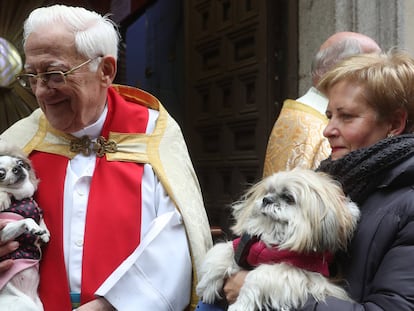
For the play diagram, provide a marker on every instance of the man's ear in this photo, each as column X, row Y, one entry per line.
column 107, row 70
column 398, row 122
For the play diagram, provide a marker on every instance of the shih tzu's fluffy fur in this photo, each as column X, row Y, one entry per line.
column 18, row 286
column 294, row 213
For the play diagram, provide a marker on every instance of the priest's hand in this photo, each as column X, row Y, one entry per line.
column 99, row 304
column 6, row 247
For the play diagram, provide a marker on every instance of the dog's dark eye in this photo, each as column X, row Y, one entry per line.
column 23, row 164
column 2, row 174
column 288, row 198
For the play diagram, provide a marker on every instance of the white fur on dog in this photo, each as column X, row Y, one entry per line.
column 18, row 181
column 299, row 210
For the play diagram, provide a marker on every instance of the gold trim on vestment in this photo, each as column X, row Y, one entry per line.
column 164, row 149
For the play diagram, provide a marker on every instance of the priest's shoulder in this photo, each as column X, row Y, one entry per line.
column 138, row 96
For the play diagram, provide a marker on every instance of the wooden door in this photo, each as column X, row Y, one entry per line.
column 238, row 53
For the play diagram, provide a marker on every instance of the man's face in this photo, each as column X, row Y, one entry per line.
column 79, row 101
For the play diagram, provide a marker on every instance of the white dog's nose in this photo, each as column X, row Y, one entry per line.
column 268, row 201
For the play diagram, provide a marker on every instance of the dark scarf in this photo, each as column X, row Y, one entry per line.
column 361, row 171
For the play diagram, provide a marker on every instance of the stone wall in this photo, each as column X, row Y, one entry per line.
column 386, row 22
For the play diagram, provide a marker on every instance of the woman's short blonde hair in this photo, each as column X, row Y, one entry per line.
column 387, row 80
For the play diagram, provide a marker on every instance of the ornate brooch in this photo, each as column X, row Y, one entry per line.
column 86, row 146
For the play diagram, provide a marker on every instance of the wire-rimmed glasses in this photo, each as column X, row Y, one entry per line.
column 53, row 79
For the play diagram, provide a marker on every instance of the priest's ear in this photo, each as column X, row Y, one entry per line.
column 107, row 70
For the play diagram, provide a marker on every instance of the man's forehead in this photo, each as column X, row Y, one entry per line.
column 49, row 40
column 55, row 50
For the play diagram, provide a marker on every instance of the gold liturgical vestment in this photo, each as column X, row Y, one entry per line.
column 296, row 139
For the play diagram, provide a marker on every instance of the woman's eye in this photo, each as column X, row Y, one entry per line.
column 346, row 117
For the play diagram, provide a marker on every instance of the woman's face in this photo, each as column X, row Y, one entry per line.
column 353, row 124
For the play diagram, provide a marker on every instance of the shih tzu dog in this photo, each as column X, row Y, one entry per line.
column 24, row 223
column 289, row 226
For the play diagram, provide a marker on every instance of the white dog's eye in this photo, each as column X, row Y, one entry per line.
column 22, row 164
column 288, row 198
column 2, row 174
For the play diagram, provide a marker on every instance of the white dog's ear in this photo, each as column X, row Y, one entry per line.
column 355, row 212
column 341, row 216
column 242, row 209
column 347, row 223
column 240, row 213
column 32, row 175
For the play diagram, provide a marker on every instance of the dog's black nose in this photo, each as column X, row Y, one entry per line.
column 267, row 201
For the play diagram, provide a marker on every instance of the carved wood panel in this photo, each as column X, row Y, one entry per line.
column 234, row 80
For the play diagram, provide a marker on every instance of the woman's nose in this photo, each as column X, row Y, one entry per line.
column 330, row 130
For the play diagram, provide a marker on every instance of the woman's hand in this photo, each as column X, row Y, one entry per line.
column 233, row 284
column 6, row 248
column 99, row 304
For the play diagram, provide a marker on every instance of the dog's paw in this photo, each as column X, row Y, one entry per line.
column 209, row 290
column 44, row 237
column 41, row 233
column 33, row 228
column 5, row 201
column 14, row 229
column 11, row 231
column 217, row 265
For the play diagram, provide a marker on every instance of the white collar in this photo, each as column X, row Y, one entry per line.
column 315, row 99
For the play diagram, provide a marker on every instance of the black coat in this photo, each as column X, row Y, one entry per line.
column 379, row 267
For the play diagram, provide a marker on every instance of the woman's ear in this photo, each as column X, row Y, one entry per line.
column 398, row 122
column 107, row 70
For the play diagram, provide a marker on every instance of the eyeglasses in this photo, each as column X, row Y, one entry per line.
column 53, row 79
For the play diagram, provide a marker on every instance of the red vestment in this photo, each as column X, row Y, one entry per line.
column 112, row 228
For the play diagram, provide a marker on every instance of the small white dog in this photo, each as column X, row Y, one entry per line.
column 19, row 285
column 290, row 224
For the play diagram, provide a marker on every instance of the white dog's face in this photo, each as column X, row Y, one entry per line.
column 300, row 210
column 16, row 177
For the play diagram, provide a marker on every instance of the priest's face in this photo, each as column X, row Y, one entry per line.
column 70, row 101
